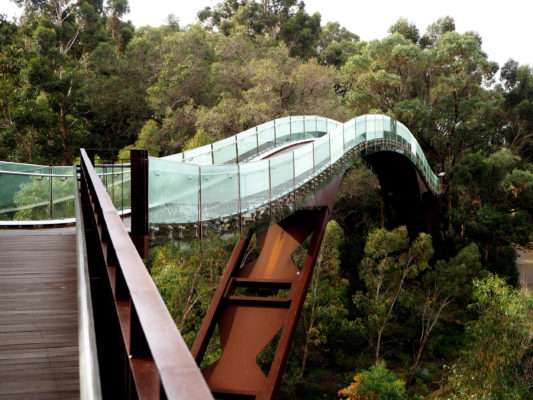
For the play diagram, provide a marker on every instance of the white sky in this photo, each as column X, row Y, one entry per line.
column 505, row 26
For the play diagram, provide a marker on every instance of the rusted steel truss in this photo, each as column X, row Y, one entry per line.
column 249, row 311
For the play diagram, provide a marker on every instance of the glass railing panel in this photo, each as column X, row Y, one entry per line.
column 303, row 163
column 255, row 184
column 283, row 120
column 25, row 197
column 310, row 126
column 281, row 174
column 386, row 124
column 322, row 124
column 349, row 133
column 266, row 139
column 379, row 124
column 247, row 144
column 18, row 167
column 321, row 153
column 225, row 151
column 219, row 191
column 283, row 132
column 298, row 129
column 360, row 126
column 173, row 191
column 337, row 145
column 200, row 155
column 63, row 197
column 370, row 127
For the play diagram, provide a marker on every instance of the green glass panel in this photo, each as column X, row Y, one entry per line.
column 63, row 198
column 370, row 127
column 349, row 134
column 322, row 125
column 173, row 191
column 200, row 155
column 225, row 151
column 281, row 174
column 219, row 191
column 310, row 127
column 337, row 145
column 247, row 144
column 255, row 184
column 298, row 129
column 321, row 152
column 303, row 163
column 266, row 137
column 283, row 132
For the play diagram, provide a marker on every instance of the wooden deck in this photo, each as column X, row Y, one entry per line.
column 38, row 315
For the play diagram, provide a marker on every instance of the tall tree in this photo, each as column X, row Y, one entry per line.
column 389, row 262
column 442, row 285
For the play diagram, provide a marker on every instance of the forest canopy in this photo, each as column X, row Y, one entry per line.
column 75, row 73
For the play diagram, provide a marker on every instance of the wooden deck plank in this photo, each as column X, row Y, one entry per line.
column 38, row 315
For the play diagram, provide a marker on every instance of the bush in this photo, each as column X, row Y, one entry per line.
column 377, row 383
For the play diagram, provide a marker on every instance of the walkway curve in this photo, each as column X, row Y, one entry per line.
column 222, row 180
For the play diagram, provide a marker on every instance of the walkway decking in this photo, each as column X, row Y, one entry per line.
column 38, row 314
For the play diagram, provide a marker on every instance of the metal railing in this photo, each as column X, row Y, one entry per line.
column 209, row 192
column 90, row 385
column 141, row 352
column 43, row 195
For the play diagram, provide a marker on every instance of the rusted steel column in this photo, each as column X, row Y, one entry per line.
column 248, row 320
column 139, row 201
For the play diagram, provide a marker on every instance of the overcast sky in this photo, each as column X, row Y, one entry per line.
column 505, row 26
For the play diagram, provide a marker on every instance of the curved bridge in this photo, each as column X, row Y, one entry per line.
column 239, row 175
column 277, row 181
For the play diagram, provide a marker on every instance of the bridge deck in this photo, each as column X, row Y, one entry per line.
column 38, row 314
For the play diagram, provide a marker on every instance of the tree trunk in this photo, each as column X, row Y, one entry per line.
column 188, row 307
column 378, row 345
column 417, row 358
column 67, row 159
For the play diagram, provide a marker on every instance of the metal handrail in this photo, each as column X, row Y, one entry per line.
column 57, row 175
column 154, row 349
column 90, row 385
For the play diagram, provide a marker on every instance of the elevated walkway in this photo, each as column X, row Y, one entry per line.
column 38, row 314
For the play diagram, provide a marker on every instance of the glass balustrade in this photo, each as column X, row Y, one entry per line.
column 223, row 179
column 39, row 193
column 229, row 178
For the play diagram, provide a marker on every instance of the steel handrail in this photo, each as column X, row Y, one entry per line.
column 90, row 385
column 150, row 324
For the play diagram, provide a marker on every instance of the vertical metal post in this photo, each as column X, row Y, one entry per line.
column 329, row 143
column 290, row 129
column 275, row 134
column 256, row 141
column 212, row 154
column 139, row 200
column 270, row 189
column 236, row 150
column 51, row 196
column 294, row 176
column 240, row 204
column 200, row 202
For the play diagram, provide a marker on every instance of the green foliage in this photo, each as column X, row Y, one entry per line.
column 493, row 207
column 408, row 30
column 376, row 383
column 389, row 262
column 498, row 341
column 187, row 280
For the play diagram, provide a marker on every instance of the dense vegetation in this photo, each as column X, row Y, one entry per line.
column 405, row 318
